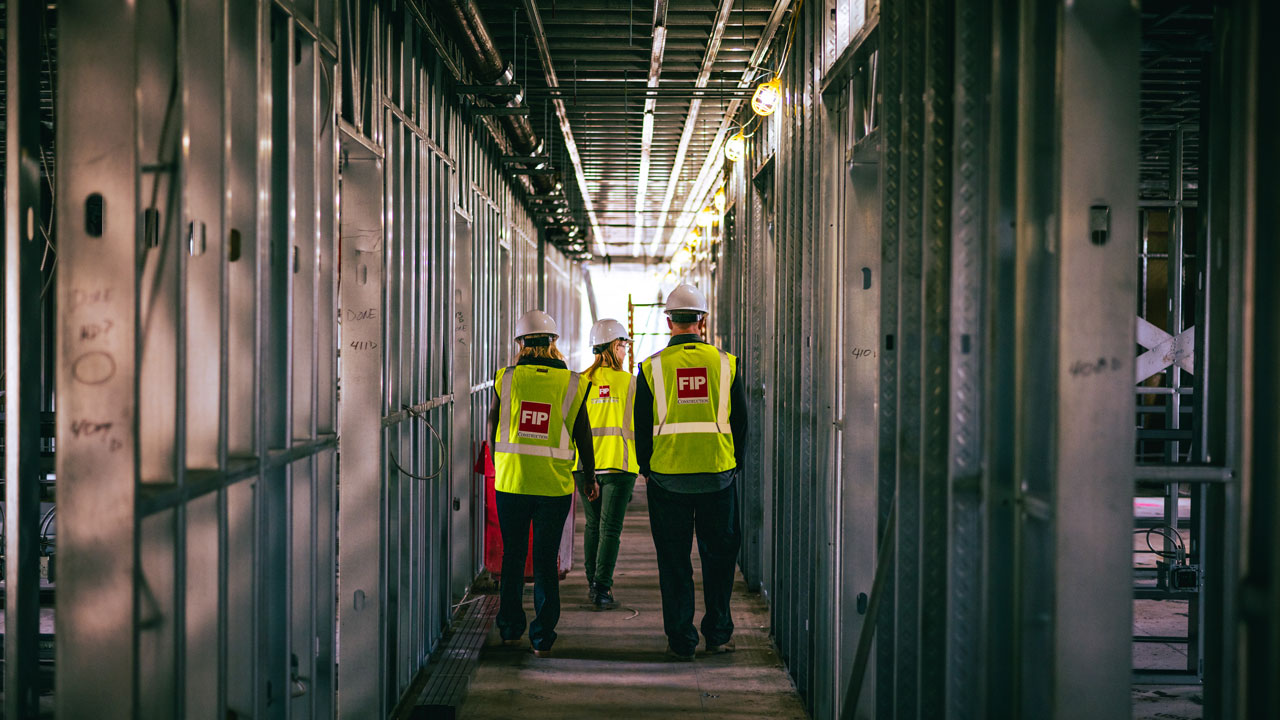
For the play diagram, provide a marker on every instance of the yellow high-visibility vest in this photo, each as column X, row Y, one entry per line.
column 610, row 406
column 537, row 409
column 690, row 384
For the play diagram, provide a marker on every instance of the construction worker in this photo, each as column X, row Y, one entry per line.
column 610, row 409
column 691, row 427
column 536, row 421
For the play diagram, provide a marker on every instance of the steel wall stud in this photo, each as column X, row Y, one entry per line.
column 968, row 385
column 891, row 68
column 1000, row 482
column 910, row 371
column 1077, row 483
column 860, row 426
column 1260, row 589
column 936, row 395
column 97, row 283
column 360, row 593
column 1214, row 401
column 462, row 565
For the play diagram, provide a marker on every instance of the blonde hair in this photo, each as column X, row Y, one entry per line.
column 542, row 352
column 606, row 359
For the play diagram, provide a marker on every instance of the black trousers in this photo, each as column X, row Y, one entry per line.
column 547, row 514
column 673, row 519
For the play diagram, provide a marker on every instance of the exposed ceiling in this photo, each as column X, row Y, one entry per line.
column 682, row 61
column 1176, row 46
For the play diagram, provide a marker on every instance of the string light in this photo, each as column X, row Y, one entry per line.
column 720, row 200
column 683, row 258
column 767, row 97
column 735, row 147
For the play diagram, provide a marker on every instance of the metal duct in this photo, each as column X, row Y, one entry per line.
column 469, row 31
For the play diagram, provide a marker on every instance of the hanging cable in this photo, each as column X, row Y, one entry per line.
column 46, row 524
column 1163, row 531
column 439, row 441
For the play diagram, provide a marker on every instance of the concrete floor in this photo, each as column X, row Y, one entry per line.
column 610, row 665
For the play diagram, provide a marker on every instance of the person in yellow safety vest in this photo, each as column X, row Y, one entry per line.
column 691, row 429
column 536, row 420
column 610, row 408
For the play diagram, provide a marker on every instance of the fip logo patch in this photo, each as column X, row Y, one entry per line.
column 604, row 394
column 534, row 421
column 692, row 385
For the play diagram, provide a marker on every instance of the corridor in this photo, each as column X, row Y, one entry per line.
column 964, row 310
column 611, row 664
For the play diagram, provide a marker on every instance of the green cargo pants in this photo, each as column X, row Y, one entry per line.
column 604, row 525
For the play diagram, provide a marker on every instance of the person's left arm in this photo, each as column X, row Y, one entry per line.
column 642, row 423
column 494, row 407
column 738, row 422
column 586, row 449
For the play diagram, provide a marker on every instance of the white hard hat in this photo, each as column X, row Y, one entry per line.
column 606, row 331
column 536, row 322
column 686, row 298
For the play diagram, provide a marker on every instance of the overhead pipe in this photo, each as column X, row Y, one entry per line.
column 566, row 132
column 471, row 33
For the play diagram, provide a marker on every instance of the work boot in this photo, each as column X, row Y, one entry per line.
column 604, row 599
column 727, row 646
column 592, row 590
column 673, row 655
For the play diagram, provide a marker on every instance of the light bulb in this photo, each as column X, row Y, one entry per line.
column 682, row 258
column 767, row 97
column 735, row 147
column 720, row 201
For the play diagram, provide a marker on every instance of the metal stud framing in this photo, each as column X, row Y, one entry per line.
column 920, row 270
column 967, row 331
column 211, row 347
column 213, row 297
column 1087, row 487
column 942, row 237
column 452, row 258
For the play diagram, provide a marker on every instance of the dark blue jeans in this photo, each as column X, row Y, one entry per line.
column 673, row 519
column 515, row 513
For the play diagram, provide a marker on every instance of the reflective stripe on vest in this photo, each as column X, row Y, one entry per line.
column 721, row 424
column 608, row 422
column 564, row 452
column 691, row 386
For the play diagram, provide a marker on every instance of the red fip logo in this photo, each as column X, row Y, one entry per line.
column 534, row 421
column 604, row 392
column 692, row 386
